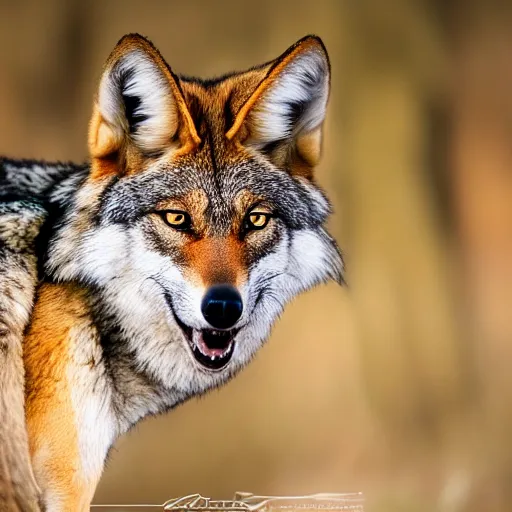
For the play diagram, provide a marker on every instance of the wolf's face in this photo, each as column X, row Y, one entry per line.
column 200, row 218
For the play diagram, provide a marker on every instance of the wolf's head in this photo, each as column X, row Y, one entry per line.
column 200, row 217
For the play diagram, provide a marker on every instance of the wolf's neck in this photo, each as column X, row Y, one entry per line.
column 135, row 393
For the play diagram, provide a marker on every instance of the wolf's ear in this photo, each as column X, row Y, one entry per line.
column 283, row 117
column 139, row 105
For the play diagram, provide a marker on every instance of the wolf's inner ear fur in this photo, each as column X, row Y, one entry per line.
column 139, row 104
column 284, row 115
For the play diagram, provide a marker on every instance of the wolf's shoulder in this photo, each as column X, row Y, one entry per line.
column 32, row 192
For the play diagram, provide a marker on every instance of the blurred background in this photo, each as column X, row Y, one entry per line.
column 400, row 385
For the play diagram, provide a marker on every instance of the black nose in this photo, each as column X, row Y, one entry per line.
column 222, row 306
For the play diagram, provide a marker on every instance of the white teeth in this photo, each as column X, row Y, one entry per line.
column 212, row 358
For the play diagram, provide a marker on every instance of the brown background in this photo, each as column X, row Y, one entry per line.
column 398, row 386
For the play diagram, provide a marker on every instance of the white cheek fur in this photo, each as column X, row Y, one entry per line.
column 134, row 279
column 295, row 267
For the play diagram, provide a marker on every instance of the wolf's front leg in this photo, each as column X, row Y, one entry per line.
column 56, row 458
column 68, row 443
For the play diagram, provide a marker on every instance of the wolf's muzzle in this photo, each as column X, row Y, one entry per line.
column 222, row 306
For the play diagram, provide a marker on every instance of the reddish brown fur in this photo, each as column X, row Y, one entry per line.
column 49, row 410
column 224, row 106
column 111, row 155
column 216, row 260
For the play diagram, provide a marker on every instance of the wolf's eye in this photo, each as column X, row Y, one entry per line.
column 257, row 220
column 177, row 220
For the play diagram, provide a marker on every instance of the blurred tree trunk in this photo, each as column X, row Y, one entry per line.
column 418, row 374
column 439, row 389
column 481, row 178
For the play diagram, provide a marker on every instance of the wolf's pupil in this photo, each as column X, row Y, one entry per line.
column 177, row 220
column 258, row 220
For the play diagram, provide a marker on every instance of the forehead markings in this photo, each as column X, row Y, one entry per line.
column 195, row 202
column 244, row 199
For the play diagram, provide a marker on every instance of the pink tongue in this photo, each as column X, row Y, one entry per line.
column 210, row 351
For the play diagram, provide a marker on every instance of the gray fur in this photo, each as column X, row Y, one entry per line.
column 296, row 200
column 25, row 190
column 19, row 224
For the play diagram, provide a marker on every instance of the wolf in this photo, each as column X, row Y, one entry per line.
column 154, row 272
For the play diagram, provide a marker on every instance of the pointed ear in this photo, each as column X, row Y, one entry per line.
column 284, row 115
column 139, row 107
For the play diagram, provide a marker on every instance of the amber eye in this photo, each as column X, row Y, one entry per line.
column 257, row 220
column 177, row 219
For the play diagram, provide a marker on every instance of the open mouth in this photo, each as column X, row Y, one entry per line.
column 211, row 348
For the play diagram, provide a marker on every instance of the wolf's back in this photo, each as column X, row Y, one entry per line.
column 25, row 190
